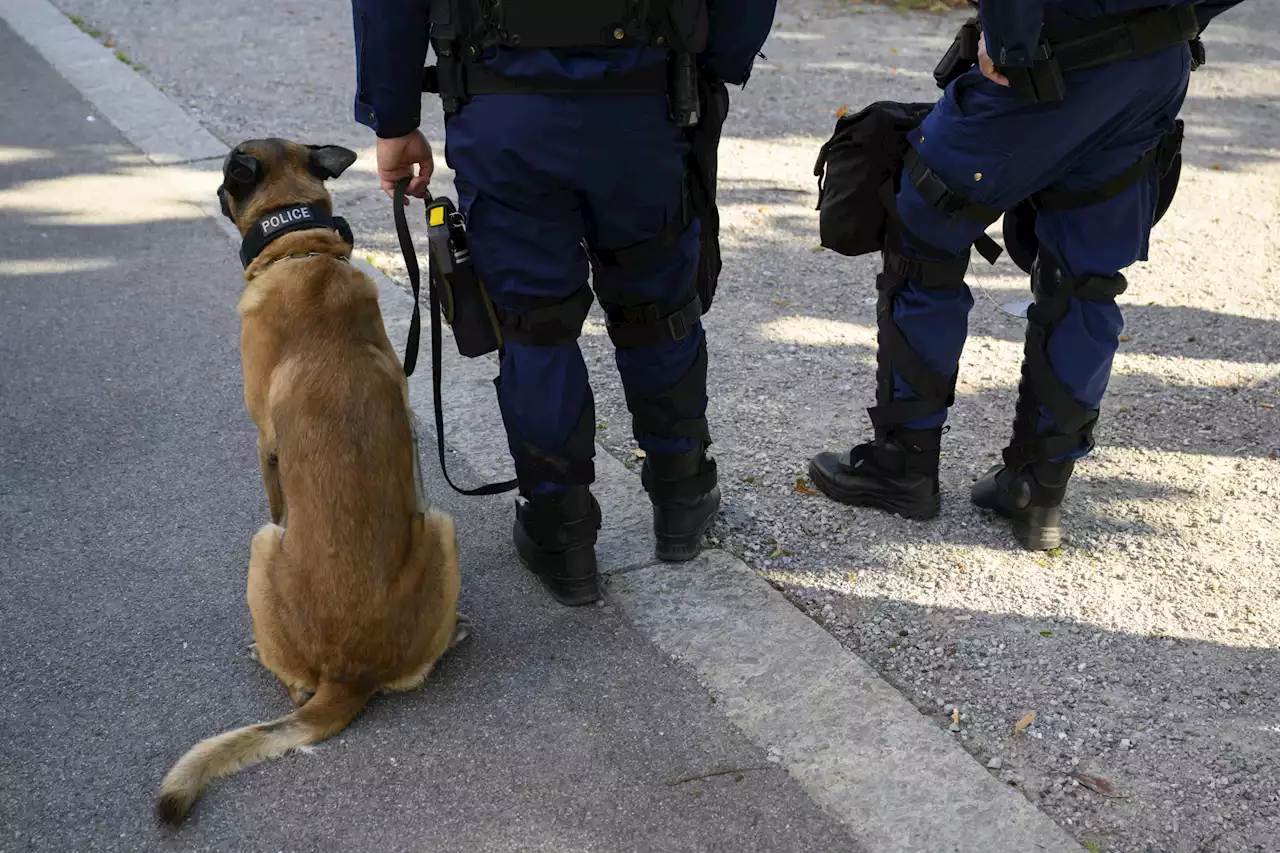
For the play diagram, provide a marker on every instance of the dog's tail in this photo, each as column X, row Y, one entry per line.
column 328, row 712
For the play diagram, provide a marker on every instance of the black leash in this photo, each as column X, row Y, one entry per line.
column 437, row 333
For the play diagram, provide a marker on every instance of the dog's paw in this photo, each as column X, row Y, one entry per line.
column 461, row 630
column 253, row 653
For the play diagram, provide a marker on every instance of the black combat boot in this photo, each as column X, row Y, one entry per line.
column 685, row 496
column 896, row 473
column 1031, row 496
column 555, row 537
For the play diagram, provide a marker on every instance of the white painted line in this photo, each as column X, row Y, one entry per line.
column 894, row 779
column 148, row 119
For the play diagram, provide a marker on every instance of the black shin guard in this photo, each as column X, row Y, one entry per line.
column 1029, row 487
column 898, row 470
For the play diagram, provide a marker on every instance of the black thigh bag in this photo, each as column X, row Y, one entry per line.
column 864, row 153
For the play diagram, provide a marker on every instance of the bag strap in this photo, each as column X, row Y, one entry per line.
column 415, row 332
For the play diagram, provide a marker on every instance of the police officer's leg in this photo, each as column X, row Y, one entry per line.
column 646, row 251
column 922, row 318
column 662, row 357
column 1073, row 331
column 525, row 239
column 980, row 152
column 1074, row 325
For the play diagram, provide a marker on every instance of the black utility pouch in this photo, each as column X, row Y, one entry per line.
column 463, row 301
column 865, row 151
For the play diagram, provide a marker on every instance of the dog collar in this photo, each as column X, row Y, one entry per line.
column 285, row 220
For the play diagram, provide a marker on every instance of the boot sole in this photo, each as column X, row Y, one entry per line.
column 885, row 501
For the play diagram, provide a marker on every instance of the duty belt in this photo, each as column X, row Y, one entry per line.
column 1099, row 42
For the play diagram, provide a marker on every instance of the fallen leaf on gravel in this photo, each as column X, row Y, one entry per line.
column 1218, row 166
column 1099, row 786
column 1046, row 633
column 1267, row 405
column 853, row 577
column 818, row 249
column 955, row 716
column 842, row 112
column 893, row 50
column 784, row 303
column 1024, row 724
column 777, row 552
column 803, row 487
column 638, row 453
column 1124, row 339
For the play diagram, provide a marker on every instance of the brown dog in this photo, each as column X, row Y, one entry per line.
column 358, row 593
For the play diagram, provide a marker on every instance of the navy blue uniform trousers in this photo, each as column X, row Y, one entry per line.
column 539, row 175
column 981, row 142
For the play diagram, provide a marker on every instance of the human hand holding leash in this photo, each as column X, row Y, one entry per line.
column 396, row 159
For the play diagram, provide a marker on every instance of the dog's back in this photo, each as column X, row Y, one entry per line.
column 338, row 404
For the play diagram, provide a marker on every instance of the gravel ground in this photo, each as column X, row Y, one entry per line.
column 1146, row 646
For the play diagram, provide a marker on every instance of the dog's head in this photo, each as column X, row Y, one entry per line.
column 262, row 175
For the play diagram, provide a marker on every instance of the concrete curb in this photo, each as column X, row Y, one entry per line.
column 158, row 127
column 897, row 781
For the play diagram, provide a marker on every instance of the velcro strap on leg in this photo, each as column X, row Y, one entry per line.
column 941, row 197
column 664, row 414
column 879, row 457
column 933, row 275
column 889, row 415
column 692, row 486
column 1041, row 386
column 548, row 325
column 899, row 451
column 1098, row 288
column 1043, row 448
column 643, row 325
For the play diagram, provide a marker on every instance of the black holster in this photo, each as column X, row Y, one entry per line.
column 701, row 170
column 465, row 305
column 962, row 55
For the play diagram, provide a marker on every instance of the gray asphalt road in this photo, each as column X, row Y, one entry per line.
column 128, row 494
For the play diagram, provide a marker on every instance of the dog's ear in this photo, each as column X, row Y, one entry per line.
column 241, row 170
column 330, row 161
column 240, row 174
